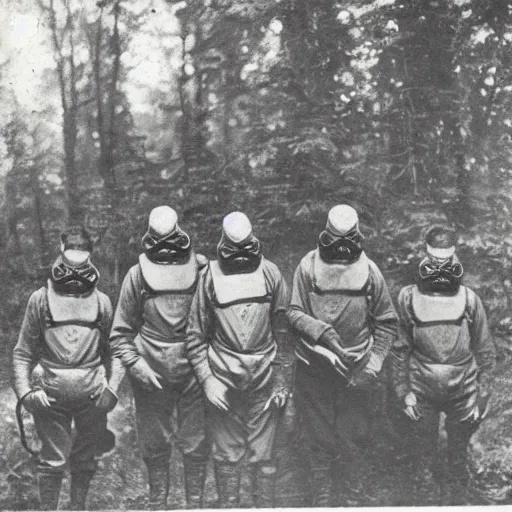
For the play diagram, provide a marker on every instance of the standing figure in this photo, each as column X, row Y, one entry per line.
column 231, row 344
column 343, row 314
column 65, row 335
column 443, row 360
column 149, row 337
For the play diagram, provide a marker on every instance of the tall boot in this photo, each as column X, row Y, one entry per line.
column 79, row 488
column 49, row 490
column 456, row 479
column 454, row 492
column 454, row 487
column 227, row 475
column 158, row 476
column 322, row 485
column 263, row 485
column 195, row 476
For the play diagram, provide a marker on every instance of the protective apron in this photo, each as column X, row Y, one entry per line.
column 340, row 297
column 71, row 363
column 442, row 364
column 167, row 294
column 243, row 307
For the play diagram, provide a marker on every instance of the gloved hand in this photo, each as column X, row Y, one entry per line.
column 215, row 390
column 479, row 411
column 484, row 406
column 106, row 400
column 278, row 398
column 343, row 358
column 37, row 400
column 411, row 406
column 332, row 341
column 364, row 379
column 145, row 375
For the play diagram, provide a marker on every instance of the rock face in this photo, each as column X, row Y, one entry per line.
column 490, row 451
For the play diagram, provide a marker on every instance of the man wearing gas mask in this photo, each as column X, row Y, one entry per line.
column 64, row 340
column 232, row 331
column 443, row 360
column 342, row 311
column 148, row 336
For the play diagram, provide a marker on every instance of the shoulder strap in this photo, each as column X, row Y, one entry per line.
column 469, row 312
column 369, row 293
column 409, row 308
column 145, row 290
column 48, row 318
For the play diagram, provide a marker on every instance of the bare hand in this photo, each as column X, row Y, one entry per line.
column 215, row 390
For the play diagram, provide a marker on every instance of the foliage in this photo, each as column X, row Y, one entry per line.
column 280, row 108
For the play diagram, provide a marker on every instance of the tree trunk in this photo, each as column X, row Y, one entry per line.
column 69, row 103
column 38, row 212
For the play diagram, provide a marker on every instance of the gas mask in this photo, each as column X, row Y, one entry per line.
column 440, row 276
column 239, row 258
column 173, row 249
column 69, row 280
column 340, row 249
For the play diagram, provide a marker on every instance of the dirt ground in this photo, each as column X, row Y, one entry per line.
column 121, row 479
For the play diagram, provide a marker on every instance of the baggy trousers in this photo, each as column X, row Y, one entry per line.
column 421, row 442
column 336, row 423
column 245, row 427
column 336, row 419
column 154, row 413
column 54, row 428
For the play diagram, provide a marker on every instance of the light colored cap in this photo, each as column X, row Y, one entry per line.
column 74, row 257
column 163, row 220
column 342, row 218
column 440, row 242
column 441, row 253
column 237, row 227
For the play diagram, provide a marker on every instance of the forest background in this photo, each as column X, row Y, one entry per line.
column 279, row 108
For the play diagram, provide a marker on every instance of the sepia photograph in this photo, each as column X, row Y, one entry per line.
column 255, row 254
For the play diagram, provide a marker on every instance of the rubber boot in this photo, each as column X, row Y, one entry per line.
column 455, row 492
column 227, row 475
column 456, row 479
column 79, row 488
column 195, row 476
column 158, row 475
column 263, row 485
column 322, row 486
column 49, row 490
column 454, row 488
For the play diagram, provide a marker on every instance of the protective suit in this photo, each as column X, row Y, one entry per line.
column 231, row 345
column 345, row 321
column 149, row 338
column 442, row 362
column 64, row 340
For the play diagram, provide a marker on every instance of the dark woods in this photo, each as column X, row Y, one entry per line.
column 281, row 108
